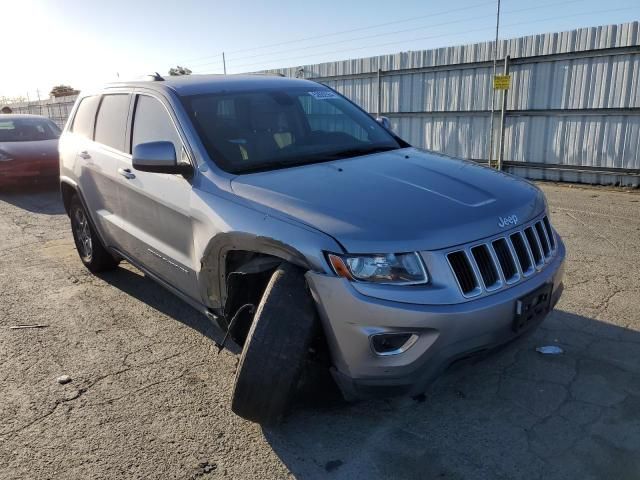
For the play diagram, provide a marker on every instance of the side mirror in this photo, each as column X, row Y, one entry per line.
column 158, row 157
column 384, row 121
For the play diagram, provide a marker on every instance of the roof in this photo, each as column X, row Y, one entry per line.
column 198, row 84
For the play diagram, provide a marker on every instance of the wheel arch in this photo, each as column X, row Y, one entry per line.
column 68, row 189
column 223, row 255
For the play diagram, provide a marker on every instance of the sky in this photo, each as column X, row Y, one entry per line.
column 85, row 42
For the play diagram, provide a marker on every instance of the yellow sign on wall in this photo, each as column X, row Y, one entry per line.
column 502, row 82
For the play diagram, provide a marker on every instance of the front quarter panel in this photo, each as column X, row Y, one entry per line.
column 223, row 223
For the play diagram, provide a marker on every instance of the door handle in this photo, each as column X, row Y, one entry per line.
column 84, row 154
column 126, row 173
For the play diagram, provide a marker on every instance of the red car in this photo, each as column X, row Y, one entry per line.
column 28, row 149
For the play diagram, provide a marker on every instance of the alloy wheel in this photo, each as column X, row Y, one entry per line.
column 82, row 232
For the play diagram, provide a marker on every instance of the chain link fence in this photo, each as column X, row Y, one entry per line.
column 57, row 108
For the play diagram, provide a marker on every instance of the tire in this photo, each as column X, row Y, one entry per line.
column 275, row 349
column 90, row 249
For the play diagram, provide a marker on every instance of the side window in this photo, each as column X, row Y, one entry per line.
column 85, row 117
column 153, row 124
column 325, row 117
column 111, row 123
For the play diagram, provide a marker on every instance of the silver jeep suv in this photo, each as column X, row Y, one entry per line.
column 307, row 231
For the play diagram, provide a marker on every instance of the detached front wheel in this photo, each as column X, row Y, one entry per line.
column 92, row 253
column 275, row 349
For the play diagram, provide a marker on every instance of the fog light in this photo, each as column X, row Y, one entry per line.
column 392, row 343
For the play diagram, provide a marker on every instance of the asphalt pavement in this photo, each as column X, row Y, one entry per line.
column 149, row 394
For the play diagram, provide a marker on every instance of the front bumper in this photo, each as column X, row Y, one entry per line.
column 446, row 332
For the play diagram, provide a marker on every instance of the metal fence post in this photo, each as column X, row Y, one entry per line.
column 503, row 115
column 379, row 92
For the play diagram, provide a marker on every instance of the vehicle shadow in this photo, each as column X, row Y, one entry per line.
column 513, row 414
column 46, row 199
column 136, row 284
column 43, row 198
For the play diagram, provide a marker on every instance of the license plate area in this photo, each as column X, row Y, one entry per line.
column 532, row 307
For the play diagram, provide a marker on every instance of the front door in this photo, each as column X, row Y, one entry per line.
column 155, row 207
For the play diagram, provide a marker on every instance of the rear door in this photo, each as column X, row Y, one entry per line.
column 99, row 126
column 155, row 207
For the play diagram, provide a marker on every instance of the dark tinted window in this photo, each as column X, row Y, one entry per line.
column 153, row 124
column 27, row 129
column 112, row 120
column 85, row 116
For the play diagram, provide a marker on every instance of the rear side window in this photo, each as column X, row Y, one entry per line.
column 111, row 123
column 85, row 116
column 152, row 123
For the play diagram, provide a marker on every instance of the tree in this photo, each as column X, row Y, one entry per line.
column 179, row 71
column 63, row 91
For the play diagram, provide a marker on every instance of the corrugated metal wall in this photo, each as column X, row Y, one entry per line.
column 573, row 111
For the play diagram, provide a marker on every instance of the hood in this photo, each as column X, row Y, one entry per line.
column 36, row 150
column 403, row 200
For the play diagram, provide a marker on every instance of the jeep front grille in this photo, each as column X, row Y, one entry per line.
column 507, row 262
column 534, row 245
column 547, row 226
column 524, row 259
column 487, row 268
column 544, row 243
column 463, row 272
column 503, row 261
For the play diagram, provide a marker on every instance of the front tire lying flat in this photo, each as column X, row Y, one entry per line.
column 92, row 253
column 275, row 349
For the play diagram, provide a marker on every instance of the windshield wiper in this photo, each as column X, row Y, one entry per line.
column 272, row 165
column 354, row 152
column 316, row 158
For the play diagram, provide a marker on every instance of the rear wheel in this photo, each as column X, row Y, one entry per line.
column 275, row 349
column 92, row 253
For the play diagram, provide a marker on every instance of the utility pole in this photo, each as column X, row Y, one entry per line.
column 224, row 64
column 379, row 103
column 503, row 115
column 493, row 92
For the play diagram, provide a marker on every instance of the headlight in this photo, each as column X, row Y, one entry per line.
column 391, row 268
column 4, row 156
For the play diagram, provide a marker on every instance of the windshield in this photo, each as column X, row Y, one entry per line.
column 27, row 129
column 253, row 131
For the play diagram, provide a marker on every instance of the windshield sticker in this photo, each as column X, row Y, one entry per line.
column 323, row 94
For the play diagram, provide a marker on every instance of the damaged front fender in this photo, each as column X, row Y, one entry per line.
column 239, row 228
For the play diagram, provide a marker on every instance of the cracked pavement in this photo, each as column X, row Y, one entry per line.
column 149, row 396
